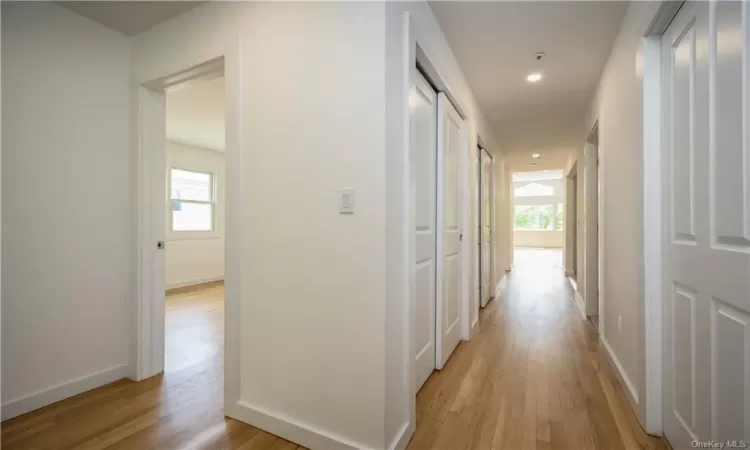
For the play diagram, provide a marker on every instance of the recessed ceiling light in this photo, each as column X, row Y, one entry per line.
column 533, row 77
column 536, row 155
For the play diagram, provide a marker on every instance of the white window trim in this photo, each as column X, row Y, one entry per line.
column 190, row 235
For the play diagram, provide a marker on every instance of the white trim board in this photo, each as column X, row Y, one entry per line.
column 197, row 282
column 580, row 303
column 289, row 428
column 622, row 376
column 62, row 391
column 402, row 438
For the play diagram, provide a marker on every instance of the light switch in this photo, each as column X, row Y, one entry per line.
column 346, row 201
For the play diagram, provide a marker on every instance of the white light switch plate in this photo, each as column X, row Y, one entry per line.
column 346, row 201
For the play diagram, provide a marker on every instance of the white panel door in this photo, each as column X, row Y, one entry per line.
column 448, row 221
column 423, row 119
column 486, row 227
column 707, row 216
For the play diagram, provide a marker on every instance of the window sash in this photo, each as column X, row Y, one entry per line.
column 212, row 202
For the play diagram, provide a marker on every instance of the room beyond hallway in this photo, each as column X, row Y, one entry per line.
column 532, row 377
column 194, row 326
column 544, row 259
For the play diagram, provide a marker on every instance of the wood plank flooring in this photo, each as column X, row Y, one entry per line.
column 532, row 378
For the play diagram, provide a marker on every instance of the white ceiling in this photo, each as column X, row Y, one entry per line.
column 195, row 114
column 495, row 44
column 130, row 17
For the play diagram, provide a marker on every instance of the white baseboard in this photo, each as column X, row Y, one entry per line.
column 402, row 437
column 631, row 392
column 474, row 327
column 62, row 391
column 580, row 304
column 289, row 429
column 181, row 284
column 501, row 286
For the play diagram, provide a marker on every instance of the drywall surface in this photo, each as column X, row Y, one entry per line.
column 313, row 281
column 66, row 204
column 618, row 106
column 197, row 257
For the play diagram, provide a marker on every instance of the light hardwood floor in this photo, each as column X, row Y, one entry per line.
column 533, row 377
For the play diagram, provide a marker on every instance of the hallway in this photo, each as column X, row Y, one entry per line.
column 532, row 377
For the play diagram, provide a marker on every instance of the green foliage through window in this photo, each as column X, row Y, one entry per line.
column 535, row 217
column 540, row 217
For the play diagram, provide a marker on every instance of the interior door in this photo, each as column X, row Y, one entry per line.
column 707, row 217
column 423, row 119
column 486, row 227
column 448, row 221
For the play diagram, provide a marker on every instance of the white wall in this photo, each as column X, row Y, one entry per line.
column 66, row 204
column 503, row 228
column 618, row 105
column 313, row 282
column 436, row 47
column 197, row 257
column 540, row 238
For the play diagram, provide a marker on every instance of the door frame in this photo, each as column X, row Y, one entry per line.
column 481, row 214
column 655, row 243
column 592, row 225
column 147, row 312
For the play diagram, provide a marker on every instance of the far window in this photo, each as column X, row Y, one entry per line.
column 193, row 200
column 535, row 217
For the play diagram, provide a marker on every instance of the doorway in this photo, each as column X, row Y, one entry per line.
column 153, row 203
column 591, row 224
column 486, row 210
column 196, row 216
column 571, row 225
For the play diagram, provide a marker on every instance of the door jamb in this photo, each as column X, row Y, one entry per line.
column 480, row 229
column 147, row 335
column 654, row 248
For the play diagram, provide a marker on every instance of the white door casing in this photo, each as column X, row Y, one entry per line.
column 153, row 194
column 486, row 227
column 706, row 322
column 448, row 311
column 423, row 120
column 591, row 227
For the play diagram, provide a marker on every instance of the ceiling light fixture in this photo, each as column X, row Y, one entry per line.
column 533, row 77
column 536, row 155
